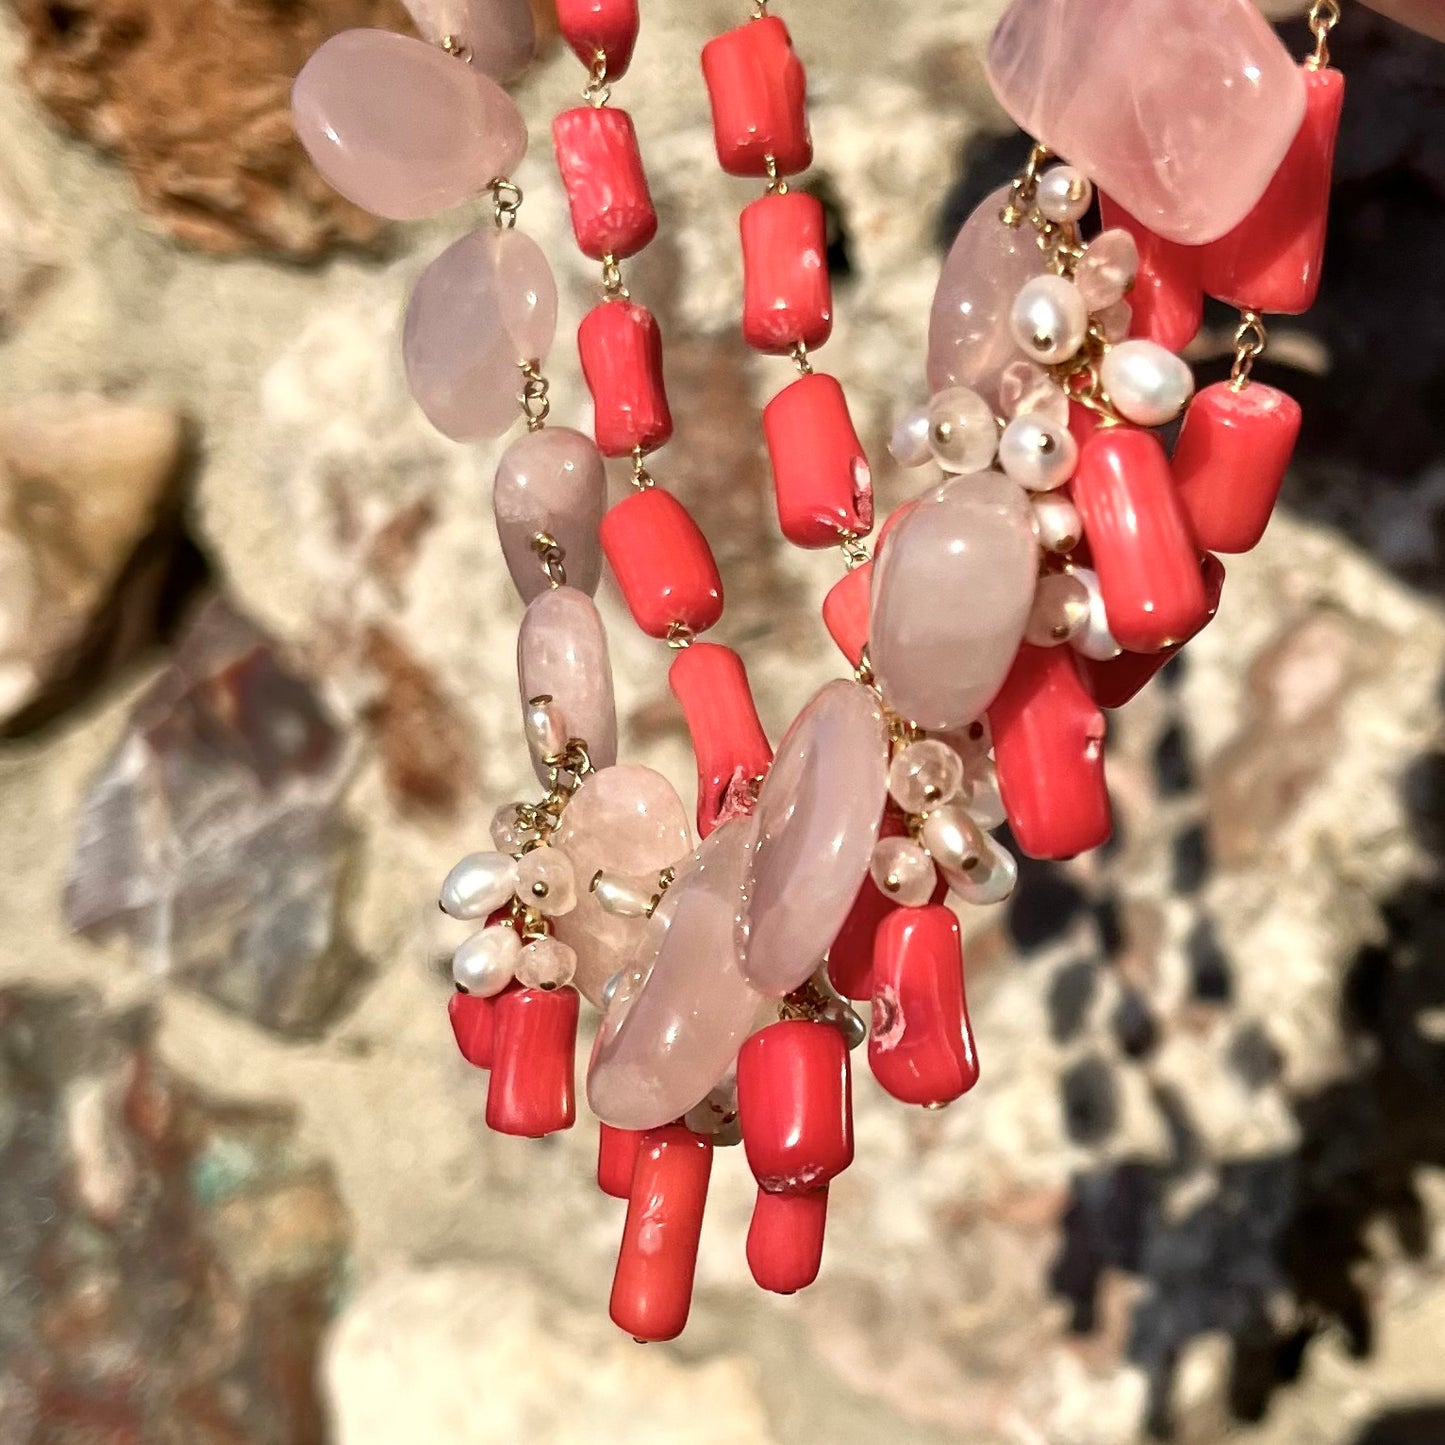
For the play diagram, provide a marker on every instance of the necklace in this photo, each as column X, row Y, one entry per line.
column 1067, row 553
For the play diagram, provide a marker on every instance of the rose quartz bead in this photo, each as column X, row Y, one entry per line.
column 969, row 341
column 1183, row 114
column 759, row 95
column 845, row 611
column 620, row 346
column 562, row 654
column 617, row 1151
column 624, row 820
column 1272, row 260
column 662, row 563
column 401, row 128
column 821, row 479
column 785, row 1239
column 607, row 193
column 951, row 597
column 484, row 306
column 1167, row 302
column 606, row 25
column 815, row 838
column 1230, row 461
column 732, row 751
column 787, row 294
column 683, row 1009
column 550, row 482
column 500, row 35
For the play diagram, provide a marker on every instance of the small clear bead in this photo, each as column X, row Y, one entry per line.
column 1094, row 639
column 991, row 881
column 1064, row 194
column 908, row 445
column 478, row 885
column 1038, row 453
column 903, row 872
column 925, row 774
column 983, row 799
column 1049, row 319
column 954, row 841
column 624, row 897
column 1060, row 610
column 546, row 729
column 546, row 882
column 1056, row 522
column 1107, row 270
column 486, row 963
column 962, row 430
column 508, row 835
column 546, row 963
column 1024, row 387
column 1114, row 322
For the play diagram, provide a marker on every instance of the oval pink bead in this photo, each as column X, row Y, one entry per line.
column 625, row 820
column 817, row 818
column 500, row 35
column 1182, row 113
column 401, row 128
column 550, row 482
column 969, row 341
column 681, row 1014
column 484, row 306
column 951, row 597
column 562, row 654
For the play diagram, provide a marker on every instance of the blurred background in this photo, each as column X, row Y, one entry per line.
column 257, row 694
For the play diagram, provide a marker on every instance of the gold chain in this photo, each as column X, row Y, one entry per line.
column 679, row 636
column 454, row 46
column 855, row 554
column 613, row 287
column 553, row 557
column 1025, row 187
column 777, row 186
column 597, row 92
column 1324, row 16
column 533, row 396
column 799, row 353
column 642, row 479
column 1250, row 339
column 506, row 202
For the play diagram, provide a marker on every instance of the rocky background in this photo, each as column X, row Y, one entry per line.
column 256, row 693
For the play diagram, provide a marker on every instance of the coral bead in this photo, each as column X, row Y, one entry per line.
column 1139, row 538
column 609, row 26
column 821, row 478
column 845, row 611
column 1167, row 297
column 617, row 1151
column 758, row 93
column 785, row 1239
column 601, row 166
column 621, row 351
column 662, row 563
column 1048, row 744
column 473, row 1022
column 795, row 1105
column 921, row 1047
column 732, row 751
column 652, row 1288
column 534, row 1043
column 1230, row 462
column 787, row 295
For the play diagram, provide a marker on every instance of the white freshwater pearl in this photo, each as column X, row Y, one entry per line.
column 992, row 880
column 924, row 775
column 546, row 963
column 908, row 446
column 546, row 729
column 1064, row 194
column 962, row 430
column 1146, row 383
column 546, row 882
column 1056, row 522
column 486, row 963
column 954, row 841
column 1094, row 639
column 902, row 871
column 1037, row 452
column 1060, row 610
column 624, row 897
column 478, row 885
column 1049, row 319
column 983, row 799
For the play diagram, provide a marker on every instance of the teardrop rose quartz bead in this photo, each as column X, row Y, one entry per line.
column 1182, row 113
column 969, row 342
column 401, row 128
column 550, row 483
column 817, row 819
column 625, row 820
column 681, row 1013
column 951, row 597
column 499, row 35
column 562, row 654
column 484, row 306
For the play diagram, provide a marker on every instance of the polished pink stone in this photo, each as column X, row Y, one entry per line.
column 969, row 341
column 682, row 1012
column 627, row 821
column 1181, row 112
column 484, row 306
column 401, row 128
column 550, row 482
column 499, row 35
column 817, row 818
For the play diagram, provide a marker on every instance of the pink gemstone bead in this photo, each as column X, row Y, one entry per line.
column 620, row 346
column 401, row 128
column 485, row 305
column 969, row 341
column 787, row 295
column 815, row 838
column 606, row 25
column 500, row 35
column 1183, row 114
column 601, row 166
column 845, row 611
column 1167, row 301
column 759, row 96
column 821, row 479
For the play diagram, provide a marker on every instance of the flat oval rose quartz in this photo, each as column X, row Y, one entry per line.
column 624, row 820
column 1182, row 113
column 951, row 597
column 484, row 306
column 683, row 1010
column 817, row 818
column 401, row 128
column 500, row 35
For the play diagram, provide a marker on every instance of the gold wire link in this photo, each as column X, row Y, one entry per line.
column 799, row 353
column 613, row 286
column 642, row 479
column 760, row 10
column 864, row 671
column 533, row 396
column 1025, row 187
column 506, row 202
column 777, row 186
column 855, row 554
column 1250, row 339
column 454, row 46
column 553, row 557
column 597, row 92
column 679, row 636
column 1324, row 16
